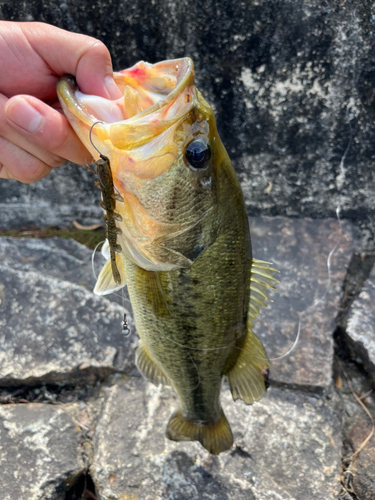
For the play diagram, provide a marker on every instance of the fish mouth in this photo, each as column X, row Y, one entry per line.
column 154, row 98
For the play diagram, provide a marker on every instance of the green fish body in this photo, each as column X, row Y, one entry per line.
column 186, row 253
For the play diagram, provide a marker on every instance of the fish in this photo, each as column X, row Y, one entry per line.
column 186, row 255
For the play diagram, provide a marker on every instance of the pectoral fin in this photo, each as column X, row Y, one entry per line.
column 106, row 283
column 149, row 369
column 215, row 437
column 248, row 378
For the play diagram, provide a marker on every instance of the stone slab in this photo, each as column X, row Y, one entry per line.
column 360, row 328
column 59, row 258
column 358, row 470
column 52, row 329
column 40, row 452
column 286, row 447
column 306, row 298
column 363, row 468
column 62, row 259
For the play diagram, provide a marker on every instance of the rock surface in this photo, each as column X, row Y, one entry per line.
column 64, row 260
column 363, row 468
column 286, row 447
column 51, row 329
column 361, row 325
column 358, row 451
column 39, row 452
column 291, row 85
column 299, row 249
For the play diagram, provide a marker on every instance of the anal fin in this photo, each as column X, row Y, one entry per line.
column 149, row 369
column 248, row 378
column 215, row 437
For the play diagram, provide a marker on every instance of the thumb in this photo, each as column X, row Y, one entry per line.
column 82, row 56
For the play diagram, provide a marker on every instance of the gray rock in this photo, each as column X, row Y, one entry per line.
column 360, row 328
column 285, row 448
column 358, row 453
column 67, row 194
column 291, row 84
column 51, row 329
column 40, row 452
column 299, row 249
column 363, row 468
column 64, row 260
column 358, row 271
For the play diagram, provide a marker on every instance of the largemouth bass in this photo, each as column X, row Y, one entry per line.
column 185, row 249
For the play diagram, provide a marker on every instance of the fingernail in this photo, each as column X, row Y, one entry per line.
column 111, row 87
column 20, row 112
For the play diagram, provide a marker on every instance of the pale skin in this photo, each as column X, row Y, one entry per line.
column 35, row 136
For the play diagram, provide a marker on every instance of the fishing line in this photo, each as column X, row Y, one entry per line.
column 93, row 258
column 158, row 282
column 199, row 377
column 195, row 348
column 207, row 348
column 96, row 277
column 125, row 327
column 125, row 330
column 322, row 298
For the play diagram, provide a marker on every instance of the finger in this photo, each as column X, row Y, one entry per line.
column 82, row 56
column 15, row 163
column 30, row 119
column 42, row 131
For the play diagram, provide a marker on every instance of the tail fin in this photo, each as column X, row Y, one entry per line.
column 215, row 437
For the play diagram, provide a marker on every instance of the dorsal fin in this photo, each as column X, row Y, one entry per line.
column 261, row 278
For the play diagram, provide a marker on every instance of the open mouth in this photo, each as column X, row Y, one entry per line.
column 154, row 97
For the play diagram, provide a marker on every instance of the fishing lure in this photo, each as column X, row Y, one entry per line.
column 125, row 327
column 108, row 203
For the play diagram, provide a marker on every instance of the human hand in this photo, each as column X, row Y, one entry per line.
column 34, row 135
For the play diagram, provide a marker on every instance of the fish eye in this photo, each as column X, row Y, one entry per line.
column 198, row 153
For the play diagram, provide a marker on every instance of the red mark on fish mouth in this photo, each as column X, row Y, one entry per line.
column 139, row 72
